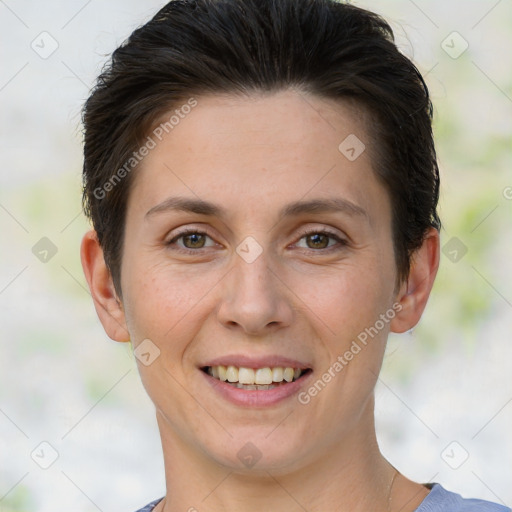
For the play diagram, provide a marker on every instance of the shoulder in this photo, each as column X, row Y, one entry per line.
column 150, row 506
column 441, row 500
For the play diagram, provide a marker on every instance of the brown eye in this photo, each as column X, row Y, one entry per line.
column 196, row 240
column 190, row 241
column 318, row 241
column 321, row 241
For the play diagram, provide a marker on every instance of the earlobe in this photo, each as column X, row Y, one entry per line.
column 414, row 293
column 108, row 306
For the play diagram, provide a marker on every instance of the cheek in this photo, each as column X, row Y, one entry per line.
column 347, row 298
column 164, row 306
column 161, row 302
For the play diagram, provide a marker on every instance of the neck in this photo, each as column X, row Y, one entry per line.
column 349, row 475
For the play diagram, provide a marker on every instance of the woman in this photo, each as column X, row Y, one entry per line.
column 262, row 182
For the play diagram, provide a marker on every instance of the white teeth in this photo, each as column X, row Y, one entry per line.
column 259, row 378
column 222, row 373
column 263, row 376
column 277, row 374
column 288, row 374
column 232, row 373
column 246, row 375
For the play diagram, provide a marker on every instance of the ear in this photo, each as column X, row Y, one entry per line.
column 414, row 293
column 108, row 306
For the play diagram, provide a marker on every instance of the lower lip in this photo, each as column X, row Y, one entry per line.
column 256, row 397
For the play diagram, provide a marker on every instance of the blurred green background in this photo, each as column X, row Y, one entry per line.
column 67, row 384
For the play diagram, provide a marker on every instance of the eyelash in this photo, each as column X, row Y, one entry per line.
column 324, row 231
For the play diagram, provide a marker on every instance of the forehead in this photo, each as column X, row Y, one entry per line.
column 274, row 147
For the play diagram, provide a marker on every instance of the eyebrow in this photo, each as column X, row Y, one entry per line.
column 313, row 206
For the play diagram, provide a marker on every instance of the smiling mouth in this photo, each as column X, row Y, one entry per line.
column 255, row 378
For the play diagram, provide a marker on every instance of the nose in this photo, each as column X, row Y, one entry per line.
column 254, row 298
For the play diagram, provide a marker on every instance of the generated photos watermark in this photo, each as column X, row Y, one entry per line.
column 355, row 348
column 151, row 142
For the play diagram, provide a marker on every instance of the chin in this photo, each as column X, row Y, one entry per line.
column 253, row 451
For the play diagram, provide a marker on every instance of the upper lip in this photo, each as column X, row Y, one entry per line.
column 271, row 361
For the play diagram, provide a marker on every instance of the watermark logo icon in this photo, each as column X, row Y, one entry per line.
column 44, row 455
column 44, row 250
column 352, row 147
column 454, row 45
column 249, row 249
column 146, row 352
column 455, row 249
column 45, row 45
column 249, row 454
column 455, row 455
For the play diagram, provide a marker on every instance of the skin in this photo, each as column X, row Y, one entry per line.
column 301, row 298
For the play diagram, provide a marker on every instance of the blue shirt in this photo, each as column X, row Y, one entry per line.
column 437, row 500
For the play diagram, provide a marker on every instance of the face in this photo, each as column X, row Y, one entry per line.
column 253, row 241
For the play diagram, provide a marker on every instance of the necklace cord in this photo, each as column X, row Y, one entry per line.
column 395, row 474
